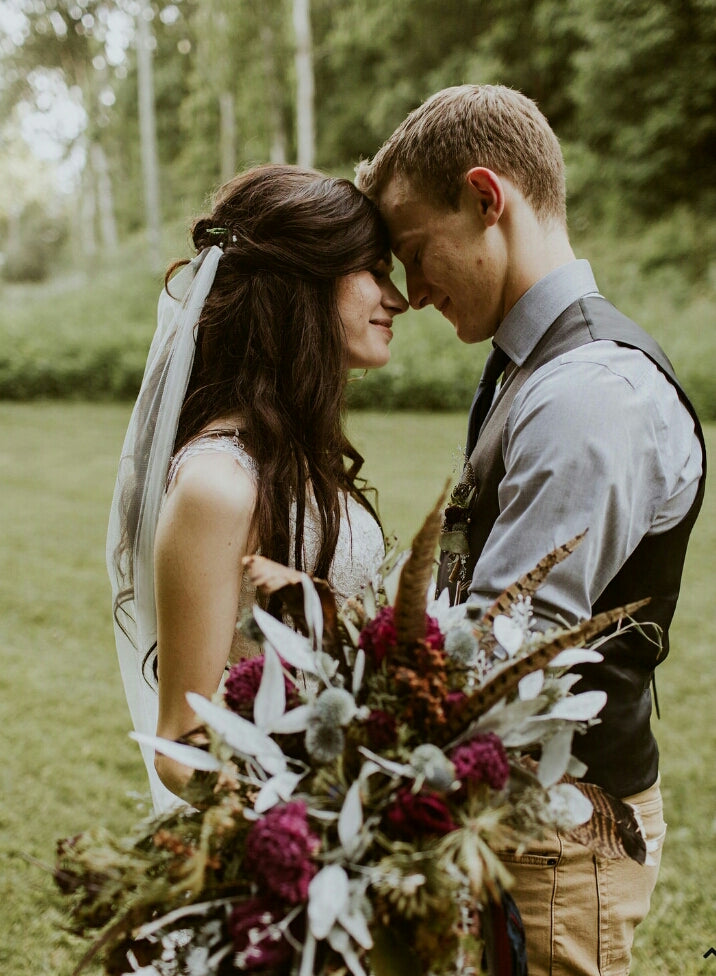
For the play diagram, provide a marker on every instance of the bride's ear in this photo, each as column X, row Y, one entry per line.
column 488, row 192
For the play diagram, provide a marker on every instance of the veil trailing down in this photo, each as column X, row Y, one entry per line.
column 139, row 490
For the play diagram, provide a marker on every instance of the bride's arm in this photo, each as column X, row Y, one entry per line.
column 202, row 536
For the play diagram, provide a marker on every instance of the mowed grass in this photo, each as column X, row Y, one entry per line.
column 67, row 761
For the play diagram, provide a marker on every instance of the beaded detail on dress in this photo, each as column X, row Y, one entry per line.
column 359, row 550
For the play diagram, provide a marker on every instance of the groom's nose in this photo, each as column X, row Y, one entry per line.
column 418, row 290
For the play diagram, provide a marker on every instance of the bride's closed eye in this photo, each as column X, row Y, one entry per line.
column 382, row 271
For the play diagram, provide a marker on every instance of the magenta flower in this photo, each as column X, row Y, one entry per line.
column 279, row 848
column 243, row 682
column 380, row 636
column 416, row 814
column 482, row 760
column 382, row 730
column 258, row 916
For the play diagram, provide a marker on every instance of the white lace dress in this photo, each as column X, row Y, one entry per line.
column 359, row 551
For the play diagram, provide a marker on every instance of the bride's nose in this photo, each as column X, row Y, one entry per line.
column 394, row 300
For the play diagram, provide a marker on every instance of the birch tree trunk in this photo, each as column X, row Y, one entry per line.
column 277, row 128
column 227, row 135
column 148, row 135
column 305, row 125
column 105, row 198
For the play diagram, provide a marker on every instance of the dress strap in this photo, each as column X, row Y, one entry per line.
column 223, row 440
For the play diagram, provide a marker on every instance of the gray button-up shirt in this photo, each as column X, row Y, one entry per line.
column 596, row 438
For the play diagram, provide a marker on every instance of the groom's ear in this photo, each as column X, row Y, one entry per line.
column 486, row 189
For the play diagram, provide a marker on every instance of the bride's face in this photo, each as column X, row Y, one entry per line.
column 367, row 302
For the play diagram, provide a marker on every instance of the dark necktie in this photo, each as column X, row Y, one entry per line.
column 484, row 395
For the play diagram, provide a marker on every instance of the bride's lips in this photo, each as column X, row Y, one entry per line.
column 385, row 325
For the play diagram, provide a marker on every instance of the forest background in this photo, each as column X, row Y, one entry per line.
column 140, row 108
column 117, row 120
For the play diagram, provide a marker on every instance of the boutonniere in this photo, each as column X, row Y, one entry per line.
column 456, row 516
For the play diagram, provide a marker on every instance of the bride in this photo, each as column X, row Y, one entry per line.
column 236, row 443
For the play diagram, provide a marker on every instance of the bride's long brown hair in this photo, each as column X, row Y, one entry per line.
column 271, row 349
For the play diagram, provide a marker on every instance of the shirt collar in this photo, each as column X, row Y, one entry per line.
column 531, row 316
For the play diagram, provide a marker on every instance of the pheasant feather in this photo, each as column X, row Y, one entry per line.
column 504, row 680
column 528, row 584
column 411, row 598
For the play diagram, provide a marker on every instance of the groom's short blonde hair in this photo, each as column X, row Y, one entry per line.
column 466, row 126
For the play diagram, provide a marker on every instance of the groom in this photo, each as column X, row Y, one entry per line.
column 589, row 429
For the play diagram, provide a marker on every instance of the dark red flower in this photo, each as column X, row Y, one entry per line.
column 482, row 760
column 382, row 729
column 259, row 916
column 380, row 636
column 279, row 849
column 242, row 685
column 416, row 814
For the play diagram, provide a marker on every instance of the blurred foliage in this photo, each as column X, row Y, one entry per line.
column 86, row 335
column 629, row 86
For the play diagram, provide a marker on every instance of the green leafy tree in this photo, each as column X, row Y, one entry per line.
column 645, row 89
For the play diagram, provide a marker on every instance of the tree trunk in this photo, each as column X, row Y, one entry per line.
column 277, row 128
column 105, row 198
column 305, row 125
column 148, row 135
column 88, row 212
column 227, row 135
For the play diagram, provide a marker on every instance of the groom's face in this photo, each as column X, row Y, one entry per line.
column 451, row 260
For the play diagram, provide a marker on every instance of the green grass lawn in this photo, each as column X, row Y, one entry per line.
column 67, row 761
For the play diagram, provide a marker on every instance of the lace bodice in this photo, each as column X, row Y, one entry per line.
column 359, row 550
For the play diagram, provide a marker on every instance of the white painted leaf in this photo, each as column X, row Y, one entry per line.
column 351, row 820
column 312, row 610
column 569, row 805
column 358, row 669
column 308, row 955
column 575, row 655
column 353, row 631
column 531, row 685
column 555, row 758
column 327, row 898
column 579, row 708
column 339, row 941
column 356, row 926
column 387, row 765
column 576, row 767
column 292, row 647
column 368, row 601
column 391, row 580
column 508, row 634
column 439, row 609
column 279, row 787
column 188, row 755
column 240, row 734
column 270, row 700
column 294, row 721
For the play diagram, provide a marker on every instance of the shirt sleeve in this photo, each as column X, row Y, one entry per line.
column 596, row 439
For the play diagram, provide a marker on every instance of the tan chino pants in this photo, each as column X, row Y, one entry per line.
column 579, row 910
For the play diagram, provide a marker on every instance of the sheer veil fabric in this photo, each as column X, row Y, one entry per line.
column 139, row 490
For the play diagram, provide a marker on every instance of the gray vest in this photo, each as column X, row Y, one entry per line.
column 620, row 752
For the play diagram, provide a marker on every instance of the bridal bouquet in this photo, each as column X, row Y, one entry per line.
column 353, row 786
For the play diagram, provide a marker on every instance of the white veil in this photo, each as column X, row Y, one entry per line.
column 139, row 490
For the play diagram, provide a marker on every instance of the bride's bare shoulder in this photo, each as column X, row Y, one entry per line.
column 211, row 485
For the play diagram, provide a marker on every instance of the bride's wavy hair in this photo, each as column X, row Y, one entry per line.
column 271, row 347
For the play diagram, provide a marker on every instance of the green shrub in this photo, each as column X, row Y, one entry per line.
column 86, row 337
